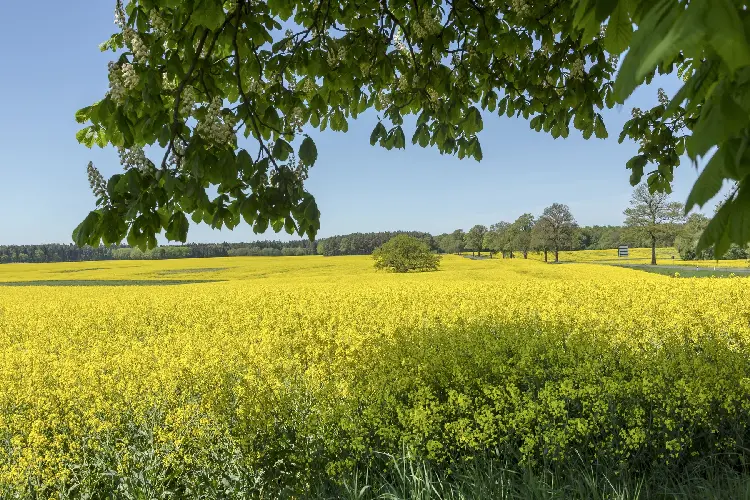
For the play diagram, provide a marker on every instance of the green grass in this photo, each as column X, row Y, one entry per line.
column 488, row 477
column 103, row 282
column 192, row 271
column 687, row 272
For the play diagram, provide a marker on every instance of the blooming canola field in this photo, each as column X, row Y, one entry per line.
column 279, row 367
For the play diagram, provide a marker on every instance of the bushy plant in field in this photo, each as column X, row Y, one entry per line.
column 404, row 253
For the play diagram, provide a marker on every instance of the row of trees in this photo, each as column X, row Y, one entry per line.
column 366, row 243
column 554, row 230
column 55, row 252
column 651, row 220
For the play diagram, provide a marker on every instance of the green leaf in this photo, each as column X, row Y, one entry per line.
column 727, row 35
column 739, row 224
column 378, row 133
column 261, row 225
column 308, row 152
column 289, row 225
column 654, row 40
column 399, row 139
column 177, row 229
column 636, row 164
column 82, row 115
column 604, row 8
column 709, row 182
column 599, row 129
column 717, row 232
column 210, row 14
column 282, row 150
column 85, row 233
column 619, row 30
column 277, row 224
column 721, row 119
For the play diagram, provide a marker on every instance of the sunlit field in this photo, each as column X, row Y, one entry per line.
column 664, row 256
column 278, row 375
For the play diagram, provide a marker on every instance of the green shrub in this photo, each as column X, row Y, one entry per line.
column 404, row 253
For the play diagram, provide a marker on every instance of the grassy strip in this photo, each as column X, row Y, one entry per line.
column 104, row 282
column 687, row 272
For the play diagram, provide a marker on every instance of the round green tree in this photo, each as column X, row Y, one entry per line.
column 404, row 253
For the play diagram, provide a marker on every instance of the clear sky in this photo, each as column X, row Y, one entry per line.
column 51, row 66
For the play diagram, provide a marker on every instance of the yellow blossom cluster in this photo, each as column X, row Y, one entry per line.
column 282, row 366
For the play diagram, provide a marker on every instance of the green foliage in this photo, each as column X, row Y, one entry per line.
column 521, row 232
column 555, row 228
column 706, row 42
column 474, row 239
column 652, row 214
column 192, row 76
column 195, row 77
column 404, row 253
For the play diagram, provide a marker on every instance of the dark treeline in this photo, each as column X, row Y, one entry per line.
column 366, row 243
column 583, row 238
column 55, row 252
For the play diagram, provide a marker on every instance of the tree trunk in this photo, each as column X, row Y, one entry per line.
column 557, row 255
column 545, row 255
column 653, row 250
column 511, row 254
column 525, row 254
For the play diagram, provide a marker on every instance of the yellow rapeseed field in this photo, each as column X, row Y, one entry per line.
column 282, row 366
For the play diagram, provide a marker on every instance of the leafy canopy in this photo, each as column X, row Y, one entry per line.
column 227, row 92
column 405, row 253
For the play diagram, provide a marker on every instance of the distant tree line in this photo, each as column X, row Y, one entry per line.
column 651, row 220
column 55, row 252
column 366, row 243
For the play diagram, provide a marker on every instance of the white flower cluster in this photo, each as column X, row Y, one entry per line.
column 213, row 128
column 160, row 26
column 428, row 25
column 167, row 83
column 335, row 56
column 129, row 76
column 295, row 119
column 365, row 66
column 521, row 7
column 403, row 83
column 636, row 112
column 290, row 41
column 134, row 157
column 437, row 57
column 255, row 86
column 455, row 59
column 140, row 51
column 116, row 84
column 434, row 97
column 119, row 14
column 96, row 181
column 307, row 86
column 576, row 69
column 187, row 101
column 178, row 153
column 546, row 49
column 663, row 98
column 384, row 100
column 299, row 168
column 398, row 41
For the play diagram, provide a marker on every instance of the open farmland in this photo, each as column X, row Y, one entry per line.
column 280, row 374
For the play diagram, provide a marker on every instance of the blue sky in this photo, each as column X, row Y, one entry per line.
column 56, row 68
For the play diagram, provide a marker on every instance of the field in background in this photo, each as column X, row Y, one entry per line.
column 284, row 373
column 637, row 256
